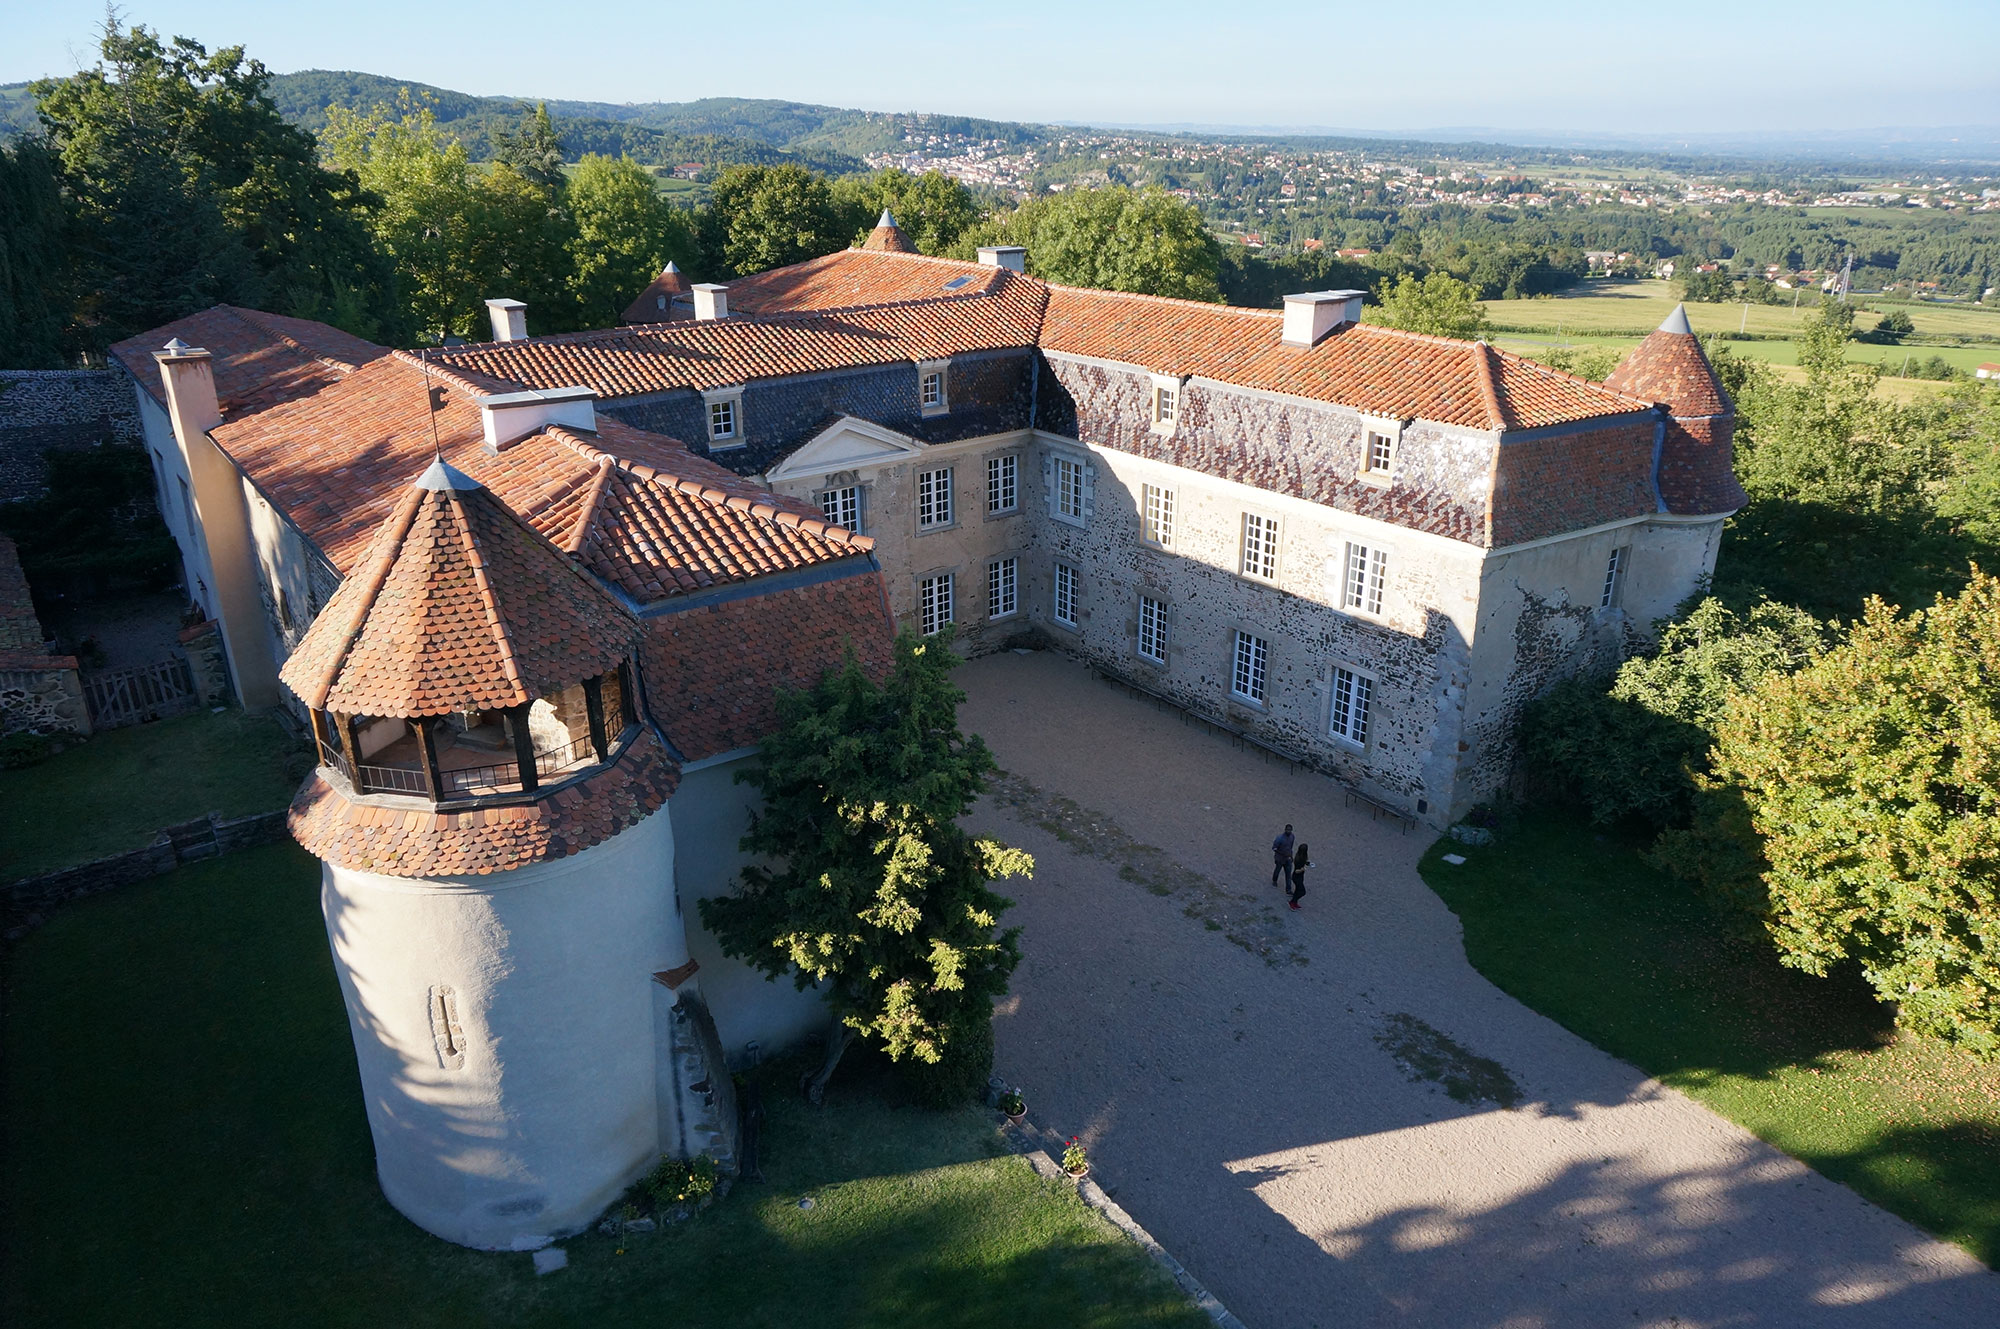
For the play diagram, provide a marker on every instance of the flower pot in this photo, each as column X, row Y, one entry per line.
column 1016, row 1118
column 1079, row 1174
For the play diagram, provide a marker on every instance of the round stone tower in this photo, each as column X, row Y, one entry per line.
column 498, row 876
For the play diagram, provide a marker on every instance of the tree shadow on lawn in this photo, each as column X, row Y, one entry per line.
column 187, row 1144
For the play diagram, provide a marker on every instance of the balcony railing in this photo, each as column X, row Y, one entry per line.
column 459, row 782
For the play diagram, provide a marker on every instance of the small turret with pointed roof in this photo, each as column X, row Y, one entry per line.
column 1697, row 465
column 887, row 237
column 655, row 304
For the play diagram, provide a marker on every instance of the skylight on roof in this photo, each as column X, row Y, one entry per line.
column 957, row 282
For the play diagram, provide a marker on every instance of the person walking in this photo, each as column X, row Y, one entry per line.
column 1281, row 858
column 1301, row 860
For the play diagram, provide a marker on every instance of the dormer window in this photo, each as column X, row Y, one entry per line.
column 1381, row 452
column 1379, row 440
column 931, row 395
column 725, row 417
column 1165, row 403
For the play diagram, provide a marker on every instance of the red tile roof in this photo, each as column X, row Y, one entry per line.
column 1669, row 367
column 400, row 838
column 887, row 237
column 858, row 278
column 259, row 358
column 655, row 304
column 458, row 605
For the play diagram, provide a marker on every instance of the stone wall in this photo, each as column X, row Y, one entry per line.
column 42, row 411
column 42, row 696
column 26, row 900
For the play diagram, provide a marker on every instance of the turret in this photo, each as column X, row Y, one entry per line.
column 887, row 237
column 497, row 875
column 1697, row 472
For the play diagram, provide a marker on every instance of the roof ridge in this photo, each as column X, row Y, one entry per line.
column 423, row 364
column 1213, row 306
column 587, row 517
column 397, row 529
column 1489, row 389
column 489, row 601
column 255, row 319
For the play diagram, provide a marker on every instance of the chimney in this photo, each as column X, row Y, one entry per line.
column 226, row 544
column 711, row 301
column 509, row 417
column 1012, row 257
column 1310, row 315
column 510, row 320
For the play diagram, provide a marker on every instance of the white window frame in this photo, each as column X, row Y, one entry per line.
column 1003, row 587
column 934, row 499
column 1258, row 547
column 841, row 505
column 1249, row 667
column 1068, row 501
column 1164, row 407
column 1614, row 577
column 726, row 403
column 1003, row 478
column 1154, row 630
column 1364, row 578
column 1063, row 598
column 1350, row 694
column 927, row 372
column 1156, row 516
column 1390, row 432
column 935, row 610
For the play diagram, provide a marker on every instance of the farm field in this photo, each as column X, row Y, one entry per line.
column 1781, row 353
column 1634, row 307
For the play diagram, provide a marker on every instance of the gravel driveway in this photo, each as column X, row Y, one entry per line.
column 1251, row 1081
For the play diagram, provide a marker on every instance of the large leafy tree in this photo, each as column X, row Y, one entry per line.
column 872, row 889
column 1873, row 777
column 186, row 187
column 762, row 217
column 625, row 233
column 933, row 209
column 1115, row 239
column 33, row 269
column 1439, row 304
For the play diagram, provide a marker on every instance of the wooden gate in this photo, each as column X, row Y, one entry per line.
column 144, row 692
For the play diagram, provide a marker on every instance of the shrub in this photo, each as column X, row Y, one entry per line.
column 964, row 1063
column 19, row 750
column 681, row 1181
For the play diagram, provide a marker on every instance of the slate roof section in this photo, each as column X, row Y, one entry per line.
column 458, row 605
column 400, row 838
column 259, row 359
column 655, row 304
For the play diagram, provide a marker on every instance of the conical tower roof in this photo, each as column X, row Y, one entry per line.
column 457, row 605
column 888, row 237
column 655, row 303
column 1669, row 367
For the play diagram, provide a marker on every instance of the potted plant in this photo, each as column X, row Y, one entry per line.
column 1075, row 1161
column 1013, row 1106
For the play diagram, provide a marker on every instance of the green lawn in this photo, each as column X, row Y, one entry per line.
column 186, row 1145
column 114, row 791
column 1635, row 306
column 1574, row 924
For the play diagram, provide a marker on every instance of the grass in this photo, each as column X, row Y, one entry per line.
column 1784, row 356
column 1633, row 307
column 186, row 1145
column 1577, row 926
column 116, row 790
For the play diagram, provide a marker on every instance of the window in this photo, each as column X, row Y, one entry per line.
column 931, row 387
column 1165, row 400
column 1614, row 577
column 1260, row 546
column 721, row 420
column 842, row 507
column 932, row 390
column 1367, row 569
column 1153, row 629
column 1349, row 718
column 934, row 499
column 1069, row 489
column 1002, row 487
column 1066, row 594
column 445, row 1030
column 187, row 507
column 1381, row 453
column 1002, row 581
column 1157, row 516
column 935, row 598
column 1253, row 653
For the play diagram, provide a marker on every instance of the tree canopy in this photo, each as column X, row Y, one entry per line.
column 1439, row 304
column 763, row 217
column 625, row 233
column 866, row 883
column 1117, row 239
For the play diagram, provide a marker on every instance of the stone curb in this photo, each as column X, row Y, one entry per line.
column 1035, row 1144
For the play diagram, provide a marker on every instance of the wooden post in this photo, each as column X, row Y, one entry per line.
column 593, row 706
column 628, row 701
column 524, row 747
column 427, row 745
column 320, row 744
column 350, row 737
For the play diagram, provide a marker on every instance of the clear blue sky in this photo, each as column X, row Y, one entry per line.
column 1693, row 66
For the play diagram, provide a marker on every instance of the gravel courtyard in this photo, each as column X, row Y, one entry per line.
column 1253, row 1082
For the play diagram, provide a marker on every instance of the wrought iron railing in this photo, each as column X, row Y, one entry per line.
column 392, row 780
